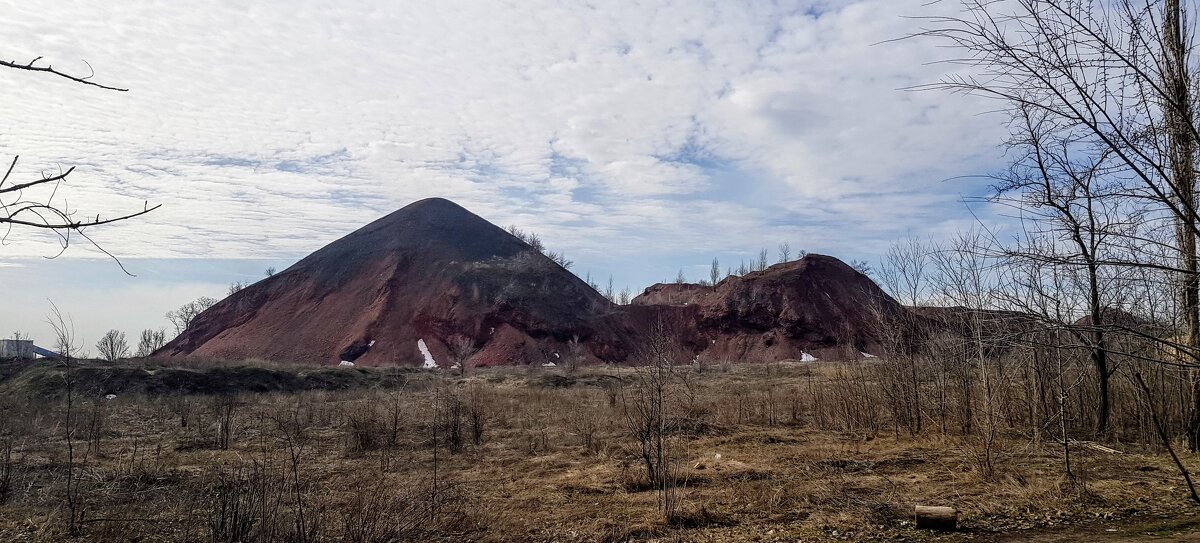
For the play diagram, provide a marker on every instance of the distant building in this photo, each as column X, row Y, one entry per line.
column 16, row 348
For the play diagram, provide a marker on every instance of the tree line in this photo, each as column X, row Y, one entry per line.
column 1090, row 296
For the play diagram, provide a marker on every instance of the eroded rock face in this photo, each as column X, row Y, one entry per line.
column 815, row 304
column 433, row 271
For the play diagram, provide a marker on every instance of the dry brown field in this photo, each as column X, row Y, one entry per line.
column 755, row 452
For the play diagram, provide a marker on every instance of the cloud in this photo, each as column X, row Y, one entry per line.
column 616, row 129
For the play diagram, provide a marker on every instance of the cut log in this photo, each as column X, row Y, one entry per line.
column 1095, row 446
column 936, row 518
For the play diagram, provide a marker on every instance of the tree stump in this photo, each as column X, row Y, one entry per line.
column 936, row 518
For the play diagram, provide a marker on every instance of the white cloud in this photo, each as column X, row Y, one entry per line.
column 271, row 128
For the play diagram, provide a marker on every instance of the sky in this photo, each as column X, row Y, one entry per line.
column 640, row 138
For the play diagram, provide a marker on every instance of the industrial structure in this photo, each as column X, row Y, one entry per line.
column 23, row 348
column 16, row 348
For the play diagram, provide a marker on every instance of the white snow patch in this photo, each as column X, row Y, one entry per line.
column 346, row 363
column 805, row 357
column 549, row 365
column 556, row 355
column 110, row 397
column 371, row 344
column 867, row 355
column 429, row 363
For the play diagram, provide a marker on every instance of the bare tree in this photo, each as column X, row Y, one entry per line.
column 576, row 354
column 182, row 318
column 645, row 405
column 150, row 341
column 112, row 346
column 680, row 278
column 966, row 275
column 1064, row 195
column 785, row 252
column 294, row 434
column 714, row 272
column 625, row 297
column 536, row 242
column 862, row 266
column 1179, row 98
column 270, row 271
column 66, row 346
column 37, row 204
column 560, row 258
column 1113, row 82
column 462, row 348
column 904, row 270
column 762, row 259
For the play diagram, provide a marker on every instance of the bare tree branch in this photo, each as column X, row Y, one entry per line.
column 49, row 69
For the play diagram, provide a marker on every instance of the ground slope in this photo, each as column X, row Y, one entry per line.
column 817, row 304
column 407, row 287
column 421, row 275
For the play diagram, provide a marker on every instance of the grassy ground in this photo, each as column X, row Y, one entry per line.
column 355, row 461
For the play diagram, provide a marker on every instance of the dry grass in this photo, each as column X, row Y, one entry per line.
column 546, row 456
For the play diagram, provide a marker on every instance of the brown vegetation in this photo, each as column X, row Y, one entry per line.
column 778, row 452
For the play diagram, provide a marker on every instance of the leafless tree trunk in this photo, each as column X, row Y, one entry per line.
column 1178, row 100
column 645, row 405
column 64, row 333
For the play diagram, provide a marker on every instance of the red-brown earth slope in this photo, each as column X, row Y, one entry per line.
column 421, row 275
column 817, row 305
column 409, row 283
